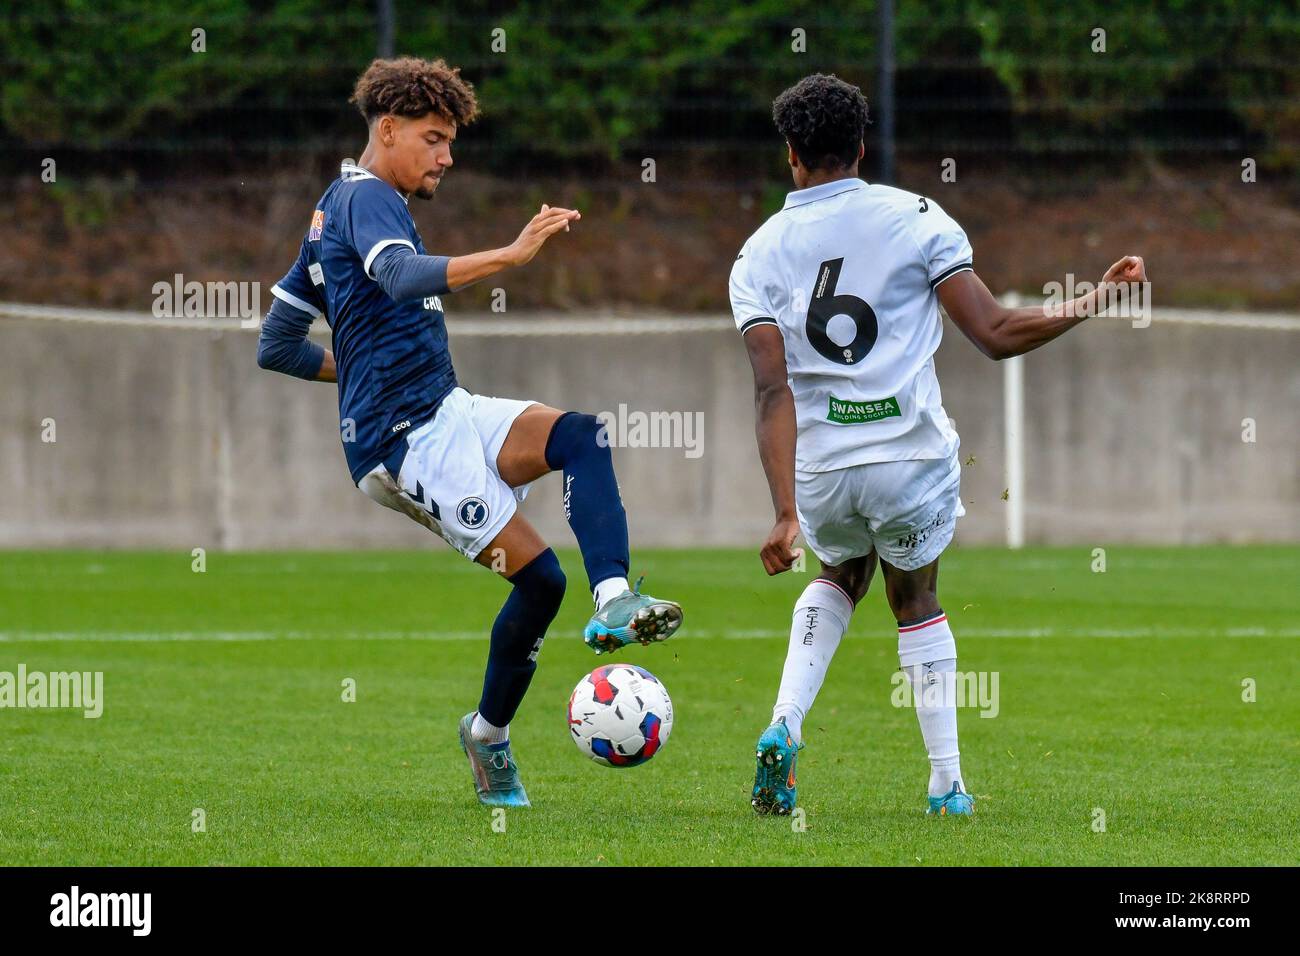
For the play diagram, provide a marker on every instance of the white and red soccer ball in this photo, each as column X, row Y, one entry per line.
column 620, row 715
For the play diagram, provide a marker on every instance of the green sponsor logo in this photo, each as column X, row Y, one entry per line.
column 855, row 413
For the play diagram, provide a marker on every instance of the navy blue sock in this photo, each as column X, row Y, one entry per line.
column 592, row 505
column 517, row 636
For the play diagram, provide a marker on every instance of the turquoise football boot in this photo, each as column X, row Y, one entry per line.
column 774, row 782
column 955, row 803
column 496, row 775
column 632, row 616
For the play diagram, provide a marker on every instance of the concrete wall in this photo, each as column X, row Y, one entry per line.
column 174, row 438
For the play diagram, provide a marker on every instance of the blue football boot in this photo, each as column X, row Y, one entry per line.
column 496, row 775
column 956, row 802
column 774, row 782
column 632, row 616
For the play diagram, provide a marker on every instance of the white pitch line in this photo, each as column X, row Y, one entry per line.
column 157, row 637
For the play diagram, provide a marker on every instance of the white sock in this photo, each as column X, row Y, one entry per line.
column 821, row 616
column 928, row 655
column 609, row 589
column 486, row 733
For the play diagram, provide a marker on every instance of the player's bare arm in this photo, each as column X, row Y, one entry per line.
column 774, row 422
column 1001, row 332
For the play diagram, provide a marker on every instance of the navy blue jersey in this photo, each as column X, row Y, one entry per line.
column 394, row 366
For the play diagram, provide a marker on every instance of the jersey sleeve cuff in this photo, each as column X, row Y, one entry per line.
column 379, row 247
column 950, row 272
column 755, row 322
column 289, row 299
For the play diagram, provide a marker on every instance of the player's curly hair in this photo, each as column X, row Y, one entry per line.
column 823, row 118
column 408, row 86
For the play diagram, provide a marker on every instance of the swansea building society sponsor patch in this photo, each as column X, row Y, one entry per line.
column 844, row 412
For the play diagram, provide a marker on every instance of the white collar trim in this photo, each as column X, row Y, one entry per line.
column 351, row 173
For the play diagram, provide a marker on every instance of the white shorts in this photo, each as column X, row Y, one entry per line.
column 449, row 481
column 906, row 511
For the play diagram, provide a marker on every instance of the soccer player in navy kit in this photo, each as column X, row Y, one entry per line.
column 418, row 443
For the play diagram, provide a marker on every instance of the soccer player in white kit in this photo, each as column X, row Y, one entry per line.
column 837, row 298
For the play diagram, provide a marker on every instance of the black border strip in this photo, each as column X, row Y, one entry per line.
column 756, row 322
column 950, row 272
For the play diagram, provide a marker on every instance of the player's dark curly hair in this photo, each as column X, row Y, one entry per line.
column 408, row 86
column 823, row 118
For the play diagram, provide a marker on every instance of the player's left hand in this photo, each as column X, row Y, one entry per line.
column 1128, row 269
column 548, row 221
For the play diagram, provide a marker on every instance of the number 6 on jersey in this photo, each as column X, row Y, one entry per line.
column 826, row 305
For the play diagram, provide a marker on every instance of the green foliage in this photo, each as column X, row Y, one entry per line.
column 1201, row 63
column 89, row 205
column 92, row 74
column 604, row 78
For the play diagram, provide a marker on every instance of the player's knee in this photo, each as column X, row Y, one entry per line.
column 576, row 435
column 914, row 606
column 857, row 588
column 911, row 594
column 852, row 578
column 855, row 583
column 854, row 587
column 553, row 584
column 544, row 582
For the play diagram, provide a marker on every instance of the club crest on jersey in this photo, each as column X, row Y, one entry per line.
column 472, row 512
column 317, row 225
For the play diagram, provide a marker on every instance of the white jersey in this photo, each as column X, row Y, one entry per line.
column 847, row 271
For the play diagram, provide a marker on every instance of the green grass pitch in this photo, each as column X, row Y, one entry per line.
column 1120, row 692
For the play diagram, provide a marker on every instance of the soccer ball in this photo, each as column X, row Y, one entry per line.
column 620, row 715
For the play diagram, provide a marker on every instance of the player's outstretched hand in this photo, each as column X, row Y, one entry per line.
column 778, row 552
column 1128, row 269
column 547, row 222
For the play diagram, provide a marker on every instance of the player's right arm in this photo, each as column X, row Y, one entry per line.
column 776, row 430
column 775, row 424
column 282, row 345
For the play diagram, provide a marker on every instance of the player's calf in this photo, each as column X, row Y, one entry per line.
column 579, row 448
column 517, row 636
